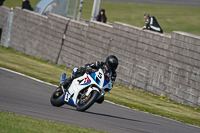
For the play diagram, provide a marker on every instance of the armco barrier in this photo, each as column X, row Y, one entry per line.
column 161, row 64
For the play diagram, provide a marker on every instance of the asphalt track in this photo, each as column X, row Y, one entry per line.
column 24, row 96
column 162, row 2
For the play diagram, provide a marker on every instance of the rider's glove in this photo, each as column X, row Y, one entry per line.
column 89, row 69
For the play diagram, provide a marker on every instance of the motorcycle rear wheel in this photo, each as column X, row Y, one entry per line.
column 56, row 98
column 86, row 102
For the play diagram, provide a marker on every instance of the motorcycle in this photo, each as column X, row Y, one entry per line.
column 84, row 91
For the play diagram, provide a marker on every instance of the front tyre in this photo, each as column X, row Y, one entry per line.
column 56, row 98
column 85, row 102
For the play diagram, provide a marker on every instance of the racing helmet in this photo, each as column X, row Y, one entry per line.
column 112, row 62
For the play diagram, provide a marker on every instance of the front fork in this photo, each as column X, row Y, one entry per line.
column 90, row 89
column 63, row 89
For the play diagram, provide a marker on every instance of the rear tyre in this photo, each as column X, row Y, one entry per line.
column 86, row 102
column 56, row 98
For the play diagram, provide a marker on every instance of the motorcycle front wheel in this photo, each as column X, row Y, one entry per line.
column 56, row 98
column 85, row 102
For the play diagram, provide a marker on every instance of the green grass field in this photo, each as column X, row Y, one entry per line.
column 140, row 100
column 11, row 123
column 171, row 18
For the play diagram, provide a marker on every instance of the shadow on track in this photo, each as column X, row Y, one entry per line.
column 111, row 116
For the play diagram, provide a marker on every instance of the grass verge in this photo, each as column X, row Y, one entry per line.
column 140, row 100
column 11, row 123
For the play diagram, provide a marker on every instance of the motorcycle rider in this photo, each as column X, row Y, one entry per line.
column 108, row 67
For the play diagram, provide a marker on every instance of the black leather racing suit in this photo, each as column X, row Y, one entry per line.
column 152, row 24
column 92, row 68
column 98, row 64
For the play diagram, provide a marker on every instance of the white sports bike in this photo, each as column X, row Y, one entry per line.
column 84, row 91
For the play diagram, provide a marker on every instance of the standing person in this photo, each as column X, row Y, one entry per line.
column 152, row 23
column 26, row 5
column 1, row 2
column 102, row 16
column 50, row 9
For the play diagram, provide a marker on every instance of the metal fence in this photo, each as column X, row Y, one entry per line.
column 72, row 8
column 60, row 7
column 65, row 8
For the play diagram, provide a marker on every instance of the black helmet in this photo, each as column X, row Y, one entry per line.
column 112, row 62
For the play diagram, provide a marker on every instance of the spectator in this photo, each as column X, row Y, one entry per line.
column 50, row 8
column 1, row 2
column 26, row 5
column 102, row 16
column 152, row 24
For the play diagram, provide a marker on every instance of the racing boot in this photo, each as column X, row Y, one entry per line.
column 66, row 83
column 100, row 100
column 69, row 80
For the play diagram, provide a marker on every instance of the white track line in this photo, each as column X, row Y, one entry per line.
column 27, row 76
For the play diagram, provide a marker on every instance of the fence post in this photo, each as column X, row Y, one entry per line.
column 80, row 10
column 66, row 9
column 8, row 28
column 95, row 9
column 74, row 16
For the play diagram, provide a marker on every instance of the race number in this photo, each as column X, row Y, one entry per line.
column 100, row 75
column 67, row 97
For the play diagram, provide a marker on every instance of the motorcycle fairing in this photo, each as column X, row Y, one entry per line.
column 97, row 79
